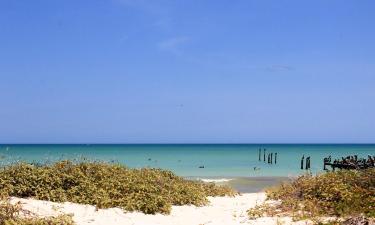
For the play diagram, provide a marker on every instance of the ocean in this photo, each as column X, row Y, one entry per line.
column 221, row 162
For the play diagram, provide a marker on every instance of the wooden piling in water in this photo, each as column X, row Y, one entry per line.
column 326, row 161
column 307, row 166
column 264, row 155
column 303, row 158
column 260, row 152
column 275, row 157
column 271, row 158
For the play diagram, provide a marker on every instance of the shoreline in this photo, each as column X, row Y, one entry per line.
column 246, row 184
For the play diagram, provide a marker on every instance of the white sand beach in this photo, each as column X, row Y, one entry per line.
column 220, row 211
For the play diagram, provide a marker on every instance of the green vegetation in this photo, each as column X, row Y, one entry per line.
column 106, row 185
column 349, row 193
column 14, row 215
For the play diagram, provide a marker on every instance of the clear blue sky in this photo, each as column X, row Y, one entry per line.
column 149, row 71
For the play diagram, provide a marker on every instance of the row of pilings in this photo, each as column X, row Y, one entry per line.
column 349, row 162
column 305, row 165
column 271, row 157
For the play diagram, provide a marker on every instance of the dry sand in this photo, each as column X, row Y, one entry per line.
column 220, row 211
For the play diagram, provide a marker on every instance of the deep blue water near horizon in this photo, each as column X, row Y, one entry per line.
column 219, row 160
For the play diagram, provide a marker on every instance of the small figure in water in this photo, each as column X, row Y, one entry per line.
column 201, row 167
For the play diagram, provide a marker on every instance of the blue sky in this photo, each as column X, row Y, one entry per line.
column 197, row 71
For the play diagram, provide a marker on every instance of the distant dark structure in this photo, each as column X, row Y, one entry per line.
column 264, row 155
column 349, row 162
column 302, row 160
column 260, row 152
column 308, row 163
column 326, row 161
column 305, row 164
column 270, row 156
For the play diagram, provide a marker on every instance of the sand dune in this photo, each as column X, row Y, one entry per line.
column 220, row 211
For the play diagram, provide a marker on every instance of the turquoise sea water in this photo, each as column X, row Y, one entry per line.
column 219, row 160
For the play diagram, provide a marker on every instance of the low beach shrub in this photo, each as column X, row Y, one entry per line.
column 12, row 214
column 346, row 193
column 106, row 185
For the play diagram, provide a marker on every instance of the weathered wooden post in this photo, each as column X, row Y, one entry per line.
column 307, row 163
column 303, row 157
column 275, row 157
column 260, row 152
column 264, row 155
column 271, row 158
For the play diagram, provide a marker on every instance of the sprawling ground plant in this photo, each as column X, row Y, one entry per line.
column 106, row 185
column 13, row 214
column 347, row 193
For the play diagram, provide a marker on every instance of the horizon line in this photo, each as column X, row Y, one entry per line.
column 203, row 143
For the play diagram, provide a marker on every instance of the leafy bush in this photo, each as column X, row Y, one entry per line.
column 106, row 185
column 343, row 193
